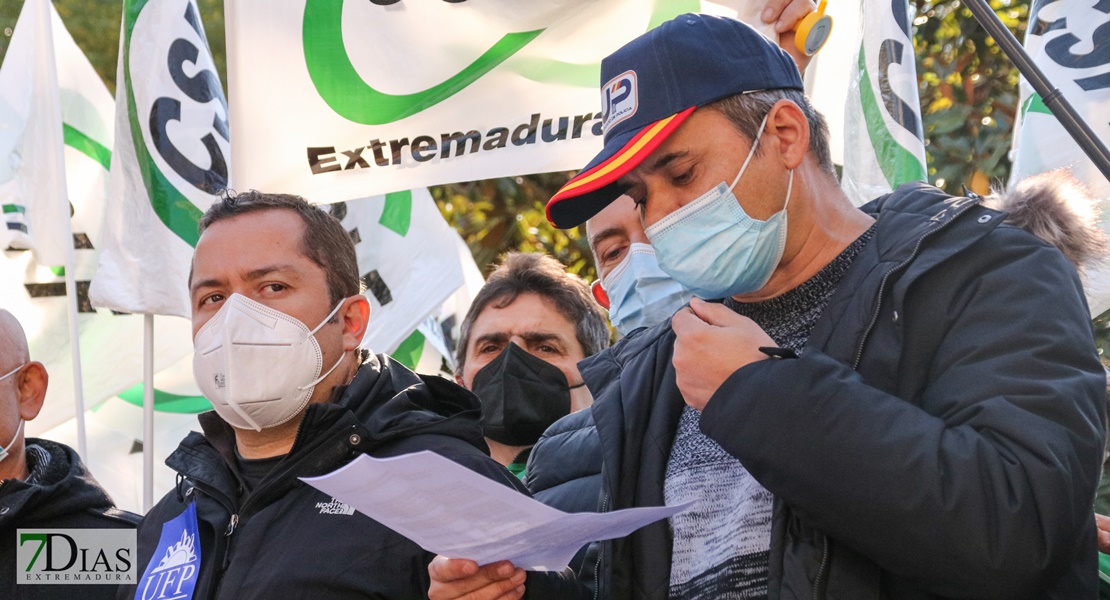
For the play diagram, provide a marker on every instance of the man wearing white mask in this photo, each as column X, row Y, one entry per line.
column 277, row 321
column 882, row 407
column 43, row 484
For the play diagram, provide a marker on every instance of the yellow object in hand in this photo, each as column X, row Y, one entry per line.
column 813, row 31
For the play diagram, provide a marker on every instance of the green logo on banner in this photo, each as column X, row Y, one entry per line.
column 344, row 90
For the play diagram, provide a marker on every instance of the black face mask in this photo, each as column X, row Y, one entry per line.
column 521, row 397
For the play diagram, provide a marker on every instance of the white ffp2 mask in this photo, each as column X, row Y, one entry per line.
column 257, row 365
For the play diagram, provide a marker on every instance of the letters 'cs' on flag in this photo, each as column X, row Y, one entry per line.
column 884, row 142
column 1070, row 41
column 171, row 158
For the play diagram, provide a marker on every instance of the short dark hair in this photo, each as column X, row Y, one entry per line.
column 324, row 241
column 746, row 112
column 536, row 273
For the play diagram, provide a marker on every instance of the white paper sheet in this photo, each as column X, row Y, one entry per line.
column 451, row 510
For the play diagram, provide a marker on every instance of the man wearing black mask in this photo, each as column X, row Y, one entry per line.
column 519, row 347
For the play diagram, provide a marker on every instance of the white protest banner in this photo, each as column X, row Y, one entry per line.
column 32, row 196
column 339, row 100
column 34, row 292
column 1070, row 41
column 171, row 144
column 883, row 139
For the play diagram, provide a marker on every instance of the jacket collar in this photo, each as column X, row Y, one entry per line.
column 385, row 401
column 65, row 488
column 916, row 211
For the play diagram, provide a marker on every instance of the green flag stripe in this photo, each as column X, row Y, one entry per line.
column 14, row 208
column 408, row 353
column 1034, row 103
column 172, row 207
column 898, row 164
column 397, row 214
column 86, row 145
column 167, row 402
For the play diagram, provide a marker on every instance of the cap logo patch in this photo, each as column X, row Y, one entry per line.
column 619, row 100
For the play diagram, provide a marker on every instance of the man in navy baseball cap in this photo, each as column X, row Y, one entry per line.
column 878, row 407
column 653, row 84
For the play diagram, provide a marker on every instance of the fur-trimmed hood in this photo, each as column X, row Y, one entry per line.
column 1057, row 208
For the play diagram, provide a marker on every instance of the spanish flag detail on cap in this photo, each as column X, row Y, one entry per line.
column 652, row 84
column 594, row 187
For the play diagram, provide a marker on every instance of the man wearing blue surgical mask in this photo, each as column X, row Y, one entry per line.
column 631, row 285
column 882, row 407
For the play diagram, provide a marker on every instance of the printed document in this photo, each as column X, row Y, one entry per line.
column 450, row 510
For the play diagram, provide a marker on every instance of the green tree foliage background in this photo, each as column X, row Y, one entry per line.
column 969, row 92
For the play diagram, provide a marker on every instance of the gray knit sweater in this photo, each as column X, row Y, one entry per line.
column 721, row 543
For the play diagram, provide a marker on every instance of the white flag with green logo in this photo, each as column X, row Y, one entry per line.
column 171, row 157
column 33, row 291
column 337, row 100
column 883, row 140
column 431, row 348
column 407, row 259
column 33, row 199
column 1070, row 41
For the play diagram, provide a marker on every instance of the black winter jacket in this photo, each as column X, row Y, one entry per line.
column 940, row 436
column 67, row 498
column 564, row 469
column 276, row 541
column 564, row 472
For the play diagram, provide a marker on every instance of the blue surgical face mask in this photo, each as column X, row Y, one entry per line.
column 640, row 293
column 713, row 247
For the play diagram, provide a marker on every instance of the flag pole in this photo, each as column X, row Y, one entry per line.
column 75, row 349
column 148, row 412
column 1052, row 97
column 47, row 33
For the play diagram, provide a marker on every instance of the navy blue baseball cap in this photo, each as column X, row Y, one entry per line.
column 653, row 83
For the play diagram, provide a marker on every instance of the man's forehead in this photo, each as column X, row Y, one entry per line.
column 618, row 218
column 528, row 313
column 251, row 241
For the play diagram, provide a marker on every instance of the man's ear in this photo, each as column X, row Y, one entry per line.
column 355, row 316
column 32, row 382
column 789, row 127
